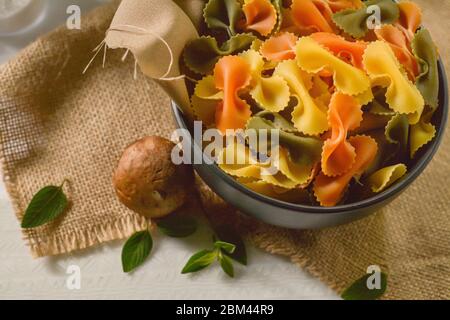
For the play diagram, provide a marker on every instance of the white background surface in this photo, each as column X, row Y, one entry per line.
column 266, row 276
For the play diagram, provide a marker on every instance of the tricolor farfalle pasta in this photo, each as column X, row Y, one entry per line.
column 353, row 104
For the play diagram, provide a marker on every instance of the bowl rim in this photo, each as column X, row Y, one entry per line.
column 391, row 192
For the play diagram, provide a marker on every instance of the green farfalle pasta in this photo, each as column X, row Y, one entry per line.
column 278, row 121
column 428, row 79
column 302, row 150
column 201, row 55
column 278, row 4
column 278, row 76
column 223, row 14
column 378, row 106
column 397, row 133
column 354, row 21
column 392, row 142
column 428, row 84
column 385, row 149
column 422, row 132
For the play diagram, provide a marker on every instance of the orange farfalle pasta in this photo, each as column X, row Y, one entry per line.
column 312, row 15
column 350, row 94
column 339, row 5
column 401, row 47
column 410, row 18
column 338, row 154
column 330, row 190
column 350, row 51
column 260, row 15
column 232, row 74
column 280, row 47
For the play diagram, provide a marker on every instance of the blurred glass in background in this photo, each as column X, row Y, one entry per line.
column 23, row 21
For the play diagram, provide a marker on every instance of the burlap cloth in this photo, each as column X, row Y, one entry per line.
column 57, row 124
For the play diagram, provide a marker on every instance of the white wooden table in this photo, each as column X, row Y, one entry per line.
column 266, row 277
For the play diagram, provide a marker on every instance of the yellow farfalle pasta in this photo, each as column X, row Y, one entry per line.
column 366, row 97
column 297, row 195
column 205, row 99
column 384, row 178
column 204, row 110
column 310, row 115
column 313, row 58
column 384, row 70
column 271, row 93
column 322, row 109
column 300, row 174
column 320, row 90
column 206, row 89
column 237, row 160
column 421, row 133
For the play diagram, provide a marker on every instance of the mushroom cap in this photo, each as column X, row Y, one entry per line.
column 148, row 182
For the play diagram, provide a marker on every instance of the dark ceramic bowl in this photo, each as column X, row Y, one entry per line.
column 297, row 216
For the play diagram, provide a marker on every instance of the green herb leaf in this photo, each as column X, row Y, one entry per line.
column 200, row 261
column 227, row 265
column 177, row 226
column 136, row 250
column 49, row 203
column 227, row 234
column 227, row 247
column 360, row 291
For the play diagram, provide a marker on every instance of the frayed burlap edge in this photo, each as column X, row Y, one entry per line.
column 114, row 230
column 117, row 229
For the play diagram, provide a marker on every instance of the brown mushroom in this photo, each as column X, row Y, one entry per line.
column 148, row 182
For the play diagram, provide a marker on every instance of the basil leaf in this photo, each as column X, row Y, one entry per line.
column 227, row 247
column 227, row 265
column 136, row 250
column 199, row 261
column 360, row 291
column 227, row 234
column 49, row 203
column 177, row 226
